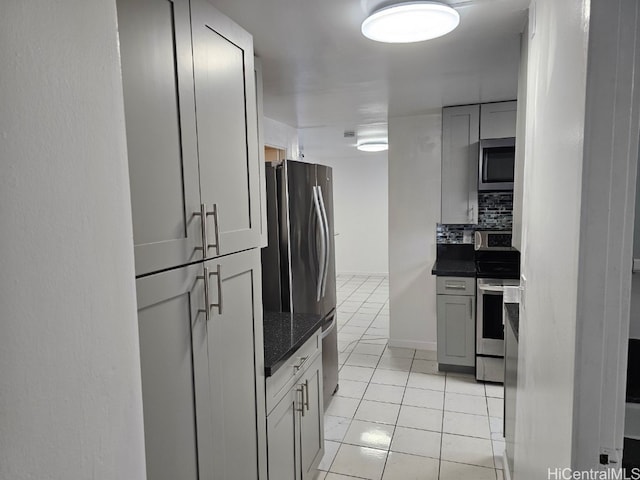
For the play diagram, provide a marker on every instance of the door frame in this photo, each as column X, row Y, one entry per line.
column 608, row 205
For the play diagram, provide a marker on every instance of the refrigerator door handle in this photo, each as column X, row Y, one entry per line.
column 327, row 251
column 323, row 246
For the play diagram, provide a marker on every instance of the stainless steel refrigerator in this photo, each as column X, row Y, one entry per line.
column 298, row 266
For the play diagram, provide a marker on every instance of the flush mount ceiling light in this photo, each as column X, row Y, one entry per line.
column 377, row 146
column 409, row 22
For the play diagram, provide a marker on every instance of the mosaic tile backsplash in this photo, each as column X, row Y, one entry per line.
column 495, row 212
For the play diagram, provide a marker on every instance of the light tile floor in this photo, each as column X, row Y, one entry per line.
column 395, row 417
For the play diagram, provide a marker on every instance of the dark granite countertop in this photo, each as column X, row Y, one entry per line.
column 454, row 268
column 284, row 333
column 513, row 317
column 633, row 371
column 456, row 260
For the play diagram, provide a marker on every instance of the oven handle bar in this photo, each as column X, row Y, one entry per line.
column 491, row 288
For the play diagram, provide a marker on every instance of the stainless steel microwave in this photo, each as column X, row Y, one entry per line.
column 496, row 165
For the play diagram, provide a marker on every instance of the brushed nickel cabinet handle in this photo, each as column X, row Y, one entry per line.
column 305, row 397
column 203, row 228
column 301, row 390
column 218, row 274
column 303, row 360
column 207, row 313
column 216, row 229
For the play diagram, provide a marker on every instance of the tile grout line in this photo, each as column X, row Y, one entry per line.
column 395, row 425
column 359, row 402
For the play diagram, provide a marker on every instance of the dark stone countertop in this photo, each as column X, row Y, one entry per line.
column 284, row 333
column 633, row 371
column 457, row 260
column 513, row 317
column 454, row 268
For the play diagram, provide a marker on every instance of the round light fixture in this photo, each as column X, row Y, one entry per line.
column 377, row 146
column 409, row 22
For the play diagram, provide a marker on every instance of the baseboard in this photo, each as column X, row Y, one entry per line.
column 413, row 344
column 365, row 274
column 505, row 466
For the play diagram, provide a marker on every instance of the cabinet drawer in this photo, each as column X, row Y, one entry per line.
column 456, row 286
column 280, row 382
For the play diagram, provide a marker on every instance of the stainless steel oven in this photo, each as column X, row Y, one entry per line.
column 490, row 329
column 497, row 266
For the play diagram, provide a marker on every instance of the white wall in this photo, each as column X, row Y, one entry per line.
column 70, row 392
column 555, row 117
column 360, row 182
column 282, row 136
column 415, row 151
column 361, row 213
column 612, row 122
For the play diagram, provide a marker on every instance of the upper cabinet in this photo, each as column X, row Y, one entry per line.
column 498, row 120
column 462, row 129
column 264, row 240
column 225, row 92
column 460, row 138
column 157, row 75
column 192, row 132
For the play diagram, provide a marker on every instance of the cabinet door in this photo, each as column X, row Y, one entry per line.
column 264, row 233
column 155, row 47
column 283, row 433
column 312, row 420
column 236, row 367
column 227, row 130
column 175, row 382
column 460, row 137
column 498, row 120
column 456, row 330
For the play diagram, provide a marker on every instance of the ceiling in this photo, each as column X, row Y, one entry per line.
column 320, row 71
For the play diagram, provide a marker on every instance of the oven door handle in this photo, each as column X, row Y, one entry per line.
column 491, row 288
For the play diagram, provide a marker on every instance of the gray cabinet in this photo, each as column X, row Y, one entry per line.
column 283, row 432
column 456, row 322
column 295, row 425
column 236, row 366
column 311, row 420
column 157, row 77
column 498, row 120
column 190, row 108
column 460, row 140
column 264, row 234
column 192, row 136
column 175, row 378
column 225, row 95
column 203, row 374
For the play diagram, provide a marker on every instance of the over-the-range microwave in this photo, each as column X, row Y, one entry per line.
column 496, row 165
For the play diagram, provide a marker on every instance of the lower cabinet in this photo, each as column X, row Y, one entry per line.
column 295, row 427
column 456, row 321
column 202, row 367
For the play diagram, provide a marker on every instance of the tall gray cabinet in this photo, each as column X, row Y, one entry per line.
column 192, row 137
column 460, row 143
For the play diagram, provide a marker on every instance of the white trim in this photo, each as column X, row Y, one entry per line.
column 365, row 274
column 606, row 236
column 431, row 346
column 505, row 465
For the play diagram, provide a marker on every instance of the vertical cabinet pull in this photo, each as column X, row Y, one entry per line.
column 218, row 274
column 216, row 228
column 305, row 397
column 207, row 313
column 471, row 307
column 203, row 228
column 301, row 390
